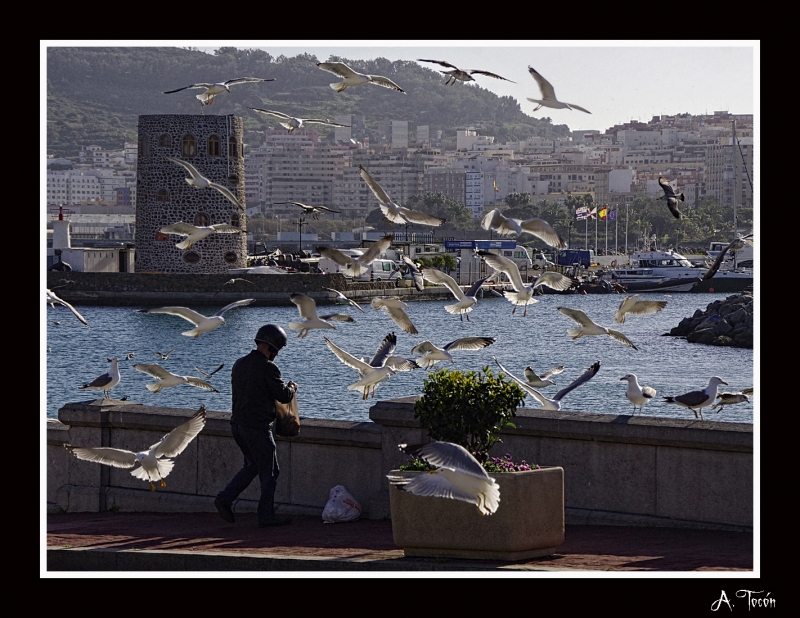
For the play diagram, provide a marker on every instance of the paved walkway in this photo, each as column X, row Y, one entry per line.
column 204, row 542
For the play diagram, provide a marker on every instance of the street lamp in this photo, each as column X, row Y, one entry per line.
column 300, row 222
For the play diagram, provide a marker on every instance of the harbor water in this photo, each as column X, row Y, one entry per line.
column 75, row 354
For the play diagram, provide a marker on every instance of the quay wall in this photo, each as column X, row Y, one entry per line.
column 618, row 470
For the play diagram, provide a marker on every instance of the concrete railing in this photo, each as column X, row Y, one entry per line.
column 617, row 469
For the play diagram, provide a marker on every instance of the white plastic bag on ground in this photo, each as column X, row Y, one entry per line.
column 342, row 506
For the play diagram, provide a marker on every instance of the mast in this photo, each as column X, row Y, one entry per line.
column 735, row 227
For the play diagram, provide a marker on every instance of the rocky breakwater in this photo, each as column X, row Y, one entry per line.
column 727, row 322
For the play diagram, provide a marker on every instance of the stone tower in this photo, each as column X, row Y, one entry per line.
column 214, row 146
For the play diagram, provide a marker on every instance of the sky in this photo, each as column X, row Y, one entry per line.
column 617, row 81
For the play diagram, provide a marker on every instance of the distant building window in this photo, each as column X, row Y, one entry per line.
column 213, row 146
column 235, row 219
column 164, row 140
column 232, row 147
column 144, row 146
column 231, row 257
column 191, row 257
column 162, row 195
column 188, row 145
column 201, row 219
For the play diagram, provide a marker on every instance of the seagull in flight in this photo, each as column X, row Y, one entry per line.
column 198, row 181
column 549, row 95
column 166, row 379
column 53, row 299
column 291, row 123
column 416, row 273
column 202, row 324
column 458, row 476
column 395, row 308
column 537, row 381
column 104, row 382
column 727, row 399
column 432, row 354
column 697, row 400
column 195, row 233
column 466, row 300
column 371, row 373
column 308, row 311
column 212, row 90
column 341, row 299
column 505, row 226
column 152, row 464
column 357, row 265
column 394, row 213
column 735, row 244
column 634, row 306
column 523, row 294
column 164, row 355
column 671, row 197
column 555, row 402
column 314, row 211
column 636, row 394
column 354, row 78
column 587, row 327
column 231, row 282
column 208, row 374
column 462, row 75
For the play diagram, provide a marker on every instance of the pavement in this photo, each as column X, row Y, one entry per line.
column 204, row 542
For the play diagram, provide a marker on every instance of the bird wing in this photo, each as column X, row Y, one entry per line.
column 229, row 194
column 444, row 63
column 371, row 254
column 329, row 209
column 525, row 386
column 337, row 317
column 542, row 229
column 200, row 383
column 225, row 228
column 554, row 280
column 672, row 204
column 116, row 457
column 184, row 229
column 347, row 358
column 398, row 363
column 624, row 307
column 423, row 348
column 376, row 188
column 664, row 184
column 433, row 485
column 504, row 264
column 305, row 304
column 206, row 86
column 320, row 121
column 154, row 370
column 644, row 307
column 585, row 377
column 495, row 220
column 401, row 319
column 615, row 334
column 450, row 456
column 384, row 350
column 530, row 374
column 380, row 80
column 578, row 107
column 183, row 312
column 495, row 75
column 241, row 80
column 421, row 218
column 233, row 305
column 336, row 256
column 438, row 277
column 55, row 299
column 337, row 68
column 545, row 86
column 648, row 391
column 470, row 343
column 269, row 112
column 208, row 374
column 553, row 372
column 692, row 398
column 178, row 439
column 187, row 166
column 577, row 315
column 476, row 286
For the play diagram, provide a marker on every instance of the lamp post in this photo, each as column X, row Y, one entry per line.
column 300, row 222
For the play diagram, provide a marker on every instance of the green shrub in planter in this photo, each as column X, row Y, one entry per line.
column 469, row 408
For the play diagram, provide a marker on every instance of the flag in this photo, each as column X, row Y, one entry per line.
column 581, row 213
column 612, row 215
column 603, row 212
column 592, row 213
column 496, row 190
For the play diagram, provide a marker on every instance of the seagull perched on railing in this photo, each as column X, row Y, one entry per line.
column 505, row 226
column 198, row 181
column 466, row 300
column 555, row 402
column 212, row 90
column 354, row 78
column 637, row 395
column 462, row 75
column 394, row 213
column 202, row 323
column 549, row 95
column 697, row 400
column 105, row 382
column 291, row 123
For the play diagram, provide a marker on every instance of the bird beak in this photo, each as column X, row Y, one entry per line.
column 623, row 378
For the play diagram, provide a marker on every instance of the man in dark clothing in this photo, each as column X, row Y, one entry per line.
column 255, row 385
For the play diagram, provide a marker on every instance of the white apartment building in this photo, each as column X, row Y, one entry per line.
column 83, row 186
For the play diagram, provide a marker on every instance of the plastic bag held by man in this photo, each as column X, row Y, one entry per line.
column 342, row 506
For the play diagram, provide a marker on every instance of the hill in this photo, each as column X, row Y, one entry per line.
column 95, row 94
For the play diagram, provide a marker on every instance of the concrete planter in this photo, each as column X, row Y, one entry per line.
column 529, row 523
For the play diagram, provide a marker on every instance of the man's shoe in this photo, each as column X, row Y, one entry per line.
column 278, row 521
column 224, row 509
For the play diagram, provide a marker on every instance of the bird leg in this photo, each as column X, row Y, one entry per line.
column 524, row 313
column 514, row 310
column 467, row 317
column 163, row 483
column 152, row 486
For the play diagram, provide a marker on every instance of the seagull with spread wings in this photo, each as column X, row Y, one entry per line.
column 341, row 299
column 314, row 211
column 208, row 374
column 357, row 265
column 549, row 95
column 432, row 354
column 202, row 324
column 291, row 123
column 395, row 308
column 212, row 90
column 634, row 306
column 152, row 464
column 555, row 402
column 53, row 299
column 506, row 226
column 466, row 300
column 166, row 379
column 728, row 399
column 195, row 233
column 308, row 311
column 541, row 381
column 198, row 181
column 354, row 78
column 462, row 75
column 736, row 244
column 394, row 213
column 671, row 197
column 587, row 327
column 416, row 273
column 371, row 373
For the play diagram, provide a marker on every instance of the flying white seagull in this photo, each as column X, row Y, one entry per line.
column 634, row 306
column 555, row 402
column 394, row 307
column 198, row 181
column 371, row 373
column 357, row 265
column 165, row 378
column 736, row 244
column 308, row 311
column 152, row 464
column 416, row 273
column 697, row 400
column 291, row 123
column 523, row 294
column 104, row 382
column 458, row 476
column 208, row 374
column 495, row 220
column 432, row 354
column 637, row 395
column 314, row 211
column 394, row 213
column 728, row 399
column 354, row 78
column 164, row 355
column 466, row 300
column 541, row 381
column 462, row 75
column 587, row 327
column 341, row 299
column 549, row 95
column 671, row 197
column 194, row 233
column 54, row 300
column 202, row 323
column 212, row 90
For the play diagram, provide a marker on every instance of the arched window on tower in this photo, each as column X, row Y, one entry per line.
column 201, row 219
column 164, row 140
column 162, row 195
column 233, row 151
column 144, row 146
column 213, row 146
column 188, row 145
